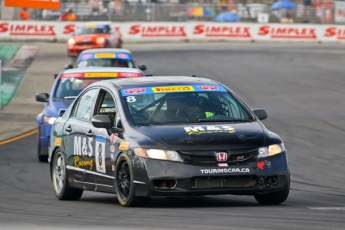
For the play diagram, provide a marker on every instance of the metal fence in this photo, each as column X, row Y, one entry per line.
column 306, row 11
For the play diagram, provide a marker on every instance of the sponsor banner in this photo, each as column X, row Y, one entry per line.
column 156, row 30
column 172, row 89
column 179, row 31
column 40, row 4
column 221, row 31
column 333, row 33
column 101, row 75
column 286, row 32
column 28, row 29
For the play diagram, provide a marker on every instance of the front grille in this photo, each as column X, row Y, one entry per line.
column 223, row 182
column 208, row 157
column 85, row 44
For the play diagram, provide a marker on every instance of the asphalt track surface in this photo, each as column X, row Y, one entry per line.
column 301, row 86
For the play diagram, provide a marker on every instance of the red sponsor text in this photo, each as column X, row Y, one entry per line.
column 222, row 31
column 339, row 33
column 27, row 29
column 158, row 31
column 288, row 32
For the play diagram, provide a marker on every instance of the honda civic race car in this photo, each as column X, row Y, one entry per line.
column 93, row 35
column 197, row 137
column 106, row 57
column 67, row 86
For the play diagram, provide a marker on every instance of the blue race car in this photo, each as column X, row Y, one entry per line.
column 68, row 84
column 106, row 57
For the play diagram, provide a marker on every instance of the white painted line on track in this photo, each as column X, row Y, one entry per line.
column 328, row 208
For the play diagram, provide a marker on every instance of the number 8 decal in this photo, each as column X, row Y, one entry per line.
column 131, row 99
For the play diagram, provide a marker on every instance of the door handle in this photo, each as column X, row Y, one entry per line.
column 68, row 129
column 89, row 133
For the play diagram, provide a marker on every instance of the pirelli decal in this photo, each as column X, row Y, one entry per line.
column 101, row 75
column 172, row 89
column 198, row 130
column 166, row 89
column 105, row 55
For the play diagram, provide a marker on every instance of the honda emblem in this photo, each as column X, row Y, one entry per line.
column 221, row 156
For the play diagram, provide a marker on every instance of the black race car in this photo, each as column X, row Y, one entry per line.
column 165, row 136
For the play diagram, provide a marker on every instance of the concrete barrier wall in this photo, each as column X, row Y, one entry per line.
column 169, row 31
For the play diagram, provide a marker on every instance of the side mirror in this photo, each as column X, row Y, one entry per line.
column 55, row 75
column 102, row 121
column 61, row 112
column 260, row 113
column 68, row 66
column 42, row 97
column 142, row 67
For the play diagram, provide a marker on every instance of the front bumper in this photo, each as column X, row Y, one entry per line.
column 166, row 178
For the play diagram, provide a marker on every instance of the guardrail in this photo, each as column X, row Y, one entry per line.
column 306, row 11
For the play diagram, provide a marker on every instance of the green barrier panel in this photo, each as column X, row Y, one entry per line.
column 9, row 83
column 7, row 52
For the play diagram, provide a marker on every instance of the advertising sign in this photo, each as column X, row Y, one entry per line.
column 41, row 4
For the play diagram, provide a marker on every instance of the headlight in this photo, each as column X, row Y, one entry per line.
column 271, row 150
column 71, row 41
column 100, row 40
column 49, row 120
column 158, row 154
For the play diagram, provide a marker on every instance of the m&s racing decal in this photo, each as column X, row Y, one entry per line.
column 197, row 130
column 172, row 89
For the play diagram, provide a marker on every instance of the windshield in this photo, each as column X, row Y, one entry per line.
column 92, row 29
column 71, row 87
column 105, row 62
column 161, row 105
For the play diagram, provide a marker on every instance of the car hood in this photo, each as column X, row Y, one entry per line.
column 53, row 107
column 88, row 37
column 207, row 136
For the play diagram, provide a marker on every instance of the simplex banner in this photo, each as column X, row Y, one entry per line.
column 141, row 31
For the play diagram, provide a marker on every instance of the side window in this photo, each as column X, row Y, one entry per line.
column 83, row 107
column 106, row 105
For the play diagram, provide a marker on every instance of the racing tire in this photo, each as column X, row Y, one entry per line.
column 41, row 158
column 275, row 197
column 124, row 184
column 60, row 179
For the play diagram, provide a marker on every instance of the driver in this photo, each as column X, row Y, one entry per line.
column 193, row 108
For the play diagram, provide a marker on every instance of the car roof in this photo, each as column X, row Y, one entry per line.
column 106, row 50
column 95, row 23
column 101, row 69
column 159, row 80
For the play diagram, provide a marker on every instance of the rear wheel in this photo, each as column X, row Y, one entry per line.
column 60, row 179
column 124, row 184
column 275, row 197
column 41, row 158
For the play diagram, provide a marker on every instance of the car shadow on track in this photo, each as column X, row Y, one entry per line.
column 185, row 202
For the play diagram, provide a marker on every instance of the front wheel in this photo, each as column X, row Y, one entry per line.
column 274, row 197
column 124, row 184
column 60, row 179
